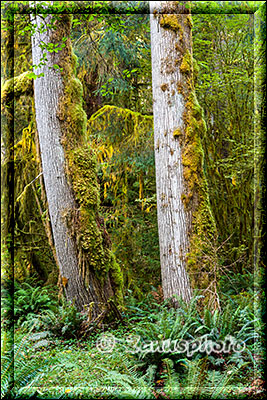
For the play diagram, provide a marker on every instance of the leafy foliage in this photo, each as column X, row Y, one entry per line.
column 86, row 372
column 114, row 56
column 123, row 143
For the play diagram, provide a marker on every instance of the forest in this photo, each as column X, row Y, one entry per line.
column 132, row 192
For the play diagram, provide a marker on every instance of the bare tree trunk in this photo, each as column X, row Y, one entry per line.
column 178, row 126
column 87, row 266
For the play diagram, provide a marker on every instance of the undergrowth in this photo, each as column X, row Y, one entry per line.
column 52, row 362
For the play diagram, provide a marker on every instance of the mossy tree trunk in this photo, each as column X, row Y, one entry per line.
column 7, row 150
column 186, row 226
column 89, row 274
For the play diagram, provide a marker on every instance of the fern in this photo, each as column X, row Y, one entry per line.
column 65, row 322
column 199, row 382
column 17, row 370
column 24, row 302
column 128, row 386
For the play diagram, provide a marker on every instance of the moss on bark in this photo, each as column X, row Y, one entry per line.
column 95, row 256
column 201, row 257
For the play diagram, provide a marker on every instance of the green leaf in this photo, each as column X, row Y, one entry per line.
column 32, row 75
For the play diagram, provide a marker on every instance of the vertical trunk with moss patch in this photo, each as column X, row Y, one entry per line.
column 7, row 149
column 89, row 273
column 186, row 226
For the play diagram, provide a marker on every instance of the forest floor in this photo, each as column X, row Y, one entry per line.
column 80, row 369
column 104, row 365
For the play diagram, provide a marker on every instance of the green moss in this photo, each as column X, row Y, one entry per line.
column 169, row 21
column 72, row 114
column 177, row 133
column 84, row 223
column 200, row 258
column 117, row 278
column 194, row 107
column 89, row 238
column 16, row 86
column 186, row 65
column 75, row 90
column 82, row 166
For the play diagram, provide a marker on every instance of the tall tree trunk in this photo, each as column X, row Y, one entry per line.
column 89, row 273
column 185, row 223
column 7, row 148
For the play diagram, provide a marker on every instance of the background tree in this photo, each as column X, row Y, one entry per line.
column 31, row 251
column 224, row 52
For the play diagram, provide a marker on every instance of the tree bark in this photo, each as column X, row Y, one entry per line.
column 7, row 149
column 178, row 125
column 86, row 266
